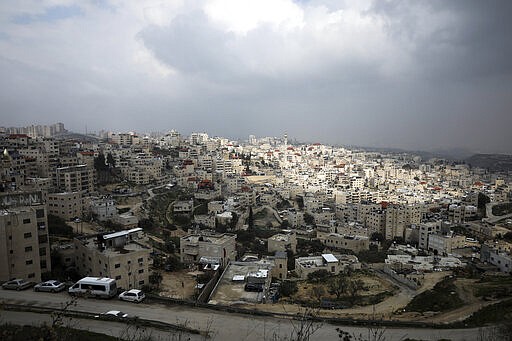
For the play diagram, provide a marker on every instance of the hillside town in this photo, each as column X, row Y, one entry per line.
column 265, row 222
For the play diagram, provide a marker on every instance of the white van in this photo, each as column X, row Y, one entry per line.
column 94, row 287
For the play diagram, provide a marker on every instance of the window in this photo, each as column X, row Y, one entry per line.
column 118, row 265
column 40, row 213
column 141, row 271
column 28, row 248
column 43, row 239
column 42, row 251
column 43, row 264
column 32, row 275
column 27, row 235
column 118, row 277
column 29, row 262
column 41, row 225
column 140, row 260
column 11, row 251
column 141, row 282
column 26, row 221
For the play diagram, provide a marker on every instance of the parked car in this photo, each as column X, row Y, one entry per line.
column 113, row 314
column 257, row 287
column 133, row 295
column 17, row 284
column 51, row 286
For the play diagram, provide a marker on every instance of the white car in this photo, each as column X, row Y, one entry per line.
column 51, row 286
column 133, row 295
column 113, row 314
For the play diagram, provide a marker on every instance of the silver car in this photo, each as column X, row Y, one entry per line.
column 50, row 286
column 133, row 295
column 17, row 284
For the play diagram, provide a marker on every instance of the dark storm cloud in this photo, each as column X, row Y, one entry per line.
column 453, row 39
column 388, row 73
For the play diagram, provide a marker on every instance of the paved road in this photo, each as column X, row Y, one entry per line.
column 225, row 326
column 116, row 329
column 491, row 218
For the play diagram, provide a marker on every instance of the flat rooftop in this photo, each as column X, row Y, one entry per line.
column 130, row 246
column 208, row 238
column 230, row 289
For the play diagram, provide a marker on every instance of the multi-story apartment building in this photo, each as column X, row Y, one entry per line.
column 398, row 217
column 424, row 230
column 24, row 243
column 78, row 178
column 295, row 218
column 376, row 221
column 122, row 139
column 66, row 205
column 444, row 244
column 12, row 171
column 119, row 255
column 354, row 243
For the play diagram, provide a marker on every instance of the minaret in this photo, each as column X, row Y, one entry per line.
column 285, row 140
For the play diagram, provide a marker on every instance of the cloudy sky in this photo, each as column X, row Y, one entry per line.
column 410, row 74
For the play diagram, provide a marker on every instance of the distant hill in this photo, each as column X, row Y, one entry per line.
column 493, row 162
column 77, row 136
column 451, row 154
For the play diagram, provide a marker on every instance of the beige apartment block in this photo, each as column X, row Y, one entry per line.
column 24, row 245
column 341, row 241
column 137, row 175
column 74, row 179
column 122, row 139
column 398, row 217
column 65, row 205
column 208, row 244
column 445, row 244
column 119, row 255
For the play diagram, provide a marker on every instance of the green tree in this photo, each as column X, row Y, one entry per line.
column 99, row 162
column 111, row 161
column 377, row 236
column 309, row 219
column 58, row 227
column 250, row 219
column 318, row 276
column 318, row 292
column 353, row 289
column 288, row 288
column 339, row 286
column 155, row 279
